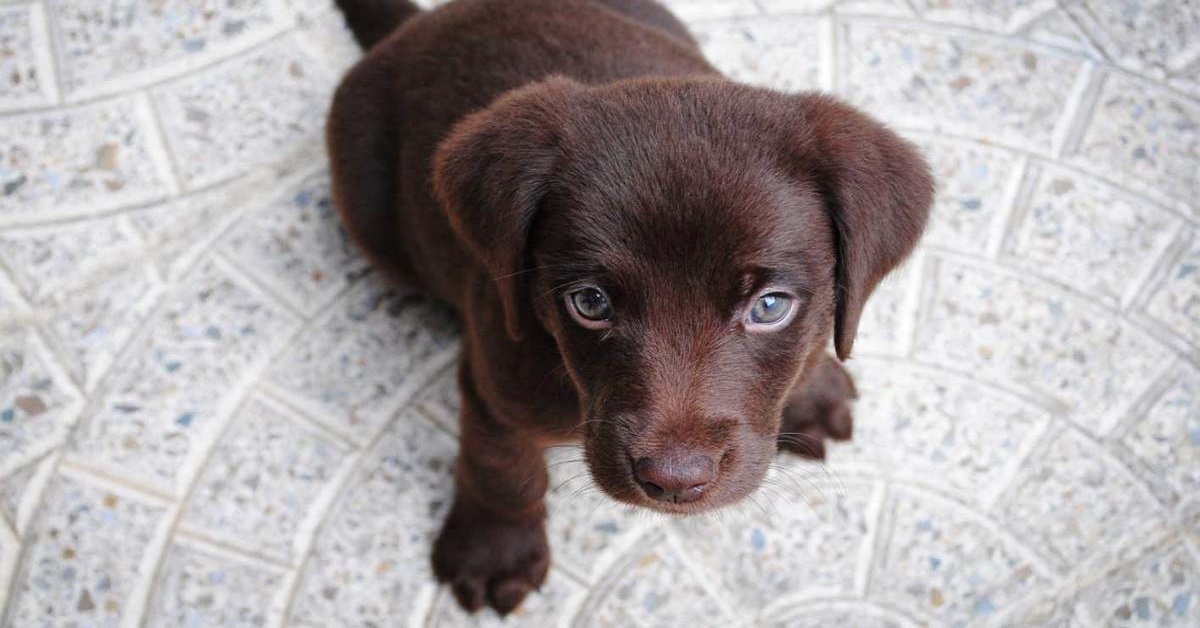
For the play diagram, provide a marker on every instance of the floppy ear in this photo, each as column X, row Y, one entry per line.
column 878, row 191
column 491, row 173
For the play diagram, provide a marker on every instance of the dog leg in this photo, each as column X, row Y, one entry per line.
column 492, row 549
column 817, row 409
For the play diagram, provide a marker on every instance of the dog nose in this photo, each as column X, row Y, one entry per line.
column 675, row 478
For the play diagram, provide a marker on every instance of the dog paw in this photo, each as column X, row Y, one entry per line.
column 819, row 409
column 488, row 562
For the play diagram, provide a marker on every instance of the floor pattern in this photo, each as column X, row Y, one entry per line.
column 213, row 414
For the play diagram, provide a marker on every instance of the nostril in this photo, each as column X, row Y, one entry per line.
column 653, row 489
column 675, row 478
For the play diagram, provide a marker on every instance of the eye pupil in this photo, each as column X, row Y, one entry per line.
column 592, row 304
column 770, row 308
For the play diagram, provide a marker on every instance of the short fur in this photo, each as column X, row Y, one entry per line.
column 501, row 153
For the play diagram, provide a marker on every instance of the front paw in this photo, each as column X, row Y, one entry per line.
column 491, row 562
column 818, row 410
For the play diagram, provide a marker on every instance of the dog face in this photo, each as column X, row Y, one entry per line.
column 690, row 246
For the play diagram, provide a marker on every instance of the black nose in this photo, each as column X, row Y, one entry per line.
column 675, row 478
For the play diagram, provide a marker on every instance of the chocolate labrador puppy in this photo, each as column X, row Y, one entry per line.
column 644, row 254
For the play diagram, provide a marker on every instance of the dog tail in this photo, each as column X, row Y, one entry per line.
column 372, row 20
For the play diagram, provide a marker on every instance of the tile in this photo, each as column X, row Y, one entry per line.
column 651, row 587
column 297, row 244
column 261, row 481
column 440, row 400
column 943, row 562
column 245, row 112
column 803, row 542
column 1142, row 35
column 197, row 588
column 1175, row 300
column 1165, row 440
column 1053, row 610
column 1071, row 501
column 25, row 66
column 37, row 407
column 794, row 6
column 882, row 8
column 972, row 182
column 109, row 46
column 776, row 52
column 375, row 347
column 370, row 560
column 1144, row 137
column 13, row 488
column 78, row 160
column 179, row 377
column 1093, row 237
column 1018, row 331
column 1159, row 589
column 943, row 430
column 993, row 15
column 988, row 89
column 84, row 556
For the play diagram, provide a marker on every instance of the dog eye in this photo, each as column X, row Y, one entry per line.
column 770, row 309
column 591, row 304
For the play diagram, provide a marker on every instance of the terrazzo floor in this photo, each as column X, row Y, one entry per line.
column 213, row 414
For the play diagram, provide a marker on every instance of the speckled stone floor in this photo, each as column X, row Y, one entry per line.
column 212, row 414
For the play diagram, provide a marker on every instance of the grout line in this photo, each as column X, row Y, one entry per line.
column 1014, row 203
column 44, row 55
column 53, row 41
column 1078, row 15
column 1077, row 111
column 827, row 45
column 272, row 293
column 10, row 563
column 884, row 503
column 35, row 489
column 286, row 405
column 1172, row 254
column 159, row 144
column 911, row 304
column 1035, row 440
column 868, row 552
column 196, row 536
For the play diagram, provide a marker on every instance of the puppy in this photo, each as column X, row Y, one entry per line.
column 644, row 254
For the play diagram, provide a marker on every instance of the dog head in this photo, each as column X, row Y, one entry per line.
column 690, row 245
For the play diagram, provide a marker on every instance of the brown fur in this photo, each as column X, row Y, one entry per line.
column 500, row 153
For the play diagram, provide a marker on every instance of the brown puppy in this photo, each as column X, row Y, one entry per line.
column 643, row 253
